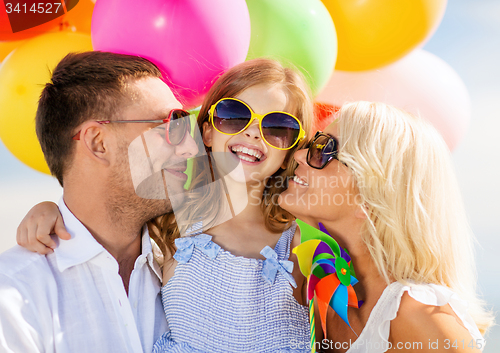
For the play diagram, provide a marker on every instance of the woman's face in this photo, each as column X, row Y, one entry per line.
column 258, row 159
column 320, row 195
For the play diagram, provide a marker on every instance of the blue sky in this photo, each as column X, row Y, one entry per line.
column 468, row 39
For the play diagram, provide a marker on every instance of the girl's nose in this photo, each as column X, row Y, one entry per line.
column 253, row 131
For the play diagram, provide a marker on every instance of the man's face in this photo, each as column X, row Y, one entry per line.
column 147, row 166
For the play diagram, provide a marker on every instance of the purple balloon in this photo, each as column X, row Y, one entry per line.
column 191, row 41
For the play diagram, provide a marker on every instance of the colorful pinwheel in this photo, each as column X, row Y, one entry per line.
column 329, row 273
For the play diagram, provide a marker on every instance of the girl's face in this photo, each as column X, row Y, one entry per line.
column 258, row 159
column 321, row 195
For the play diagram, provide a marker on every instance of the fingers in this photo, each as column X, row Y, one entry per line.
column 42, row 232
column 27, row 238
column 60, row 229
column 34, row 231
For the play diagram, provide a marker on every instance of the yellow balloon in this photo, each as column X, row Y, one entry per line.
column 23, row 75
column 375, row 33
column 7, row 47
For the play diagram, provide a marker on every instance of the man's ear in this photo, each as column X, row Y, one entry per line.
column 207, row 134
column 94, row 143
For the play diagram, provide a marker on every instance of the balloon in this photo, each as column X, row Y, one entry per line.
column 420, row 83
column 79, row 18
column 191, row 41
column 323, row 116
column 24, row 22
column 299, row 33
column 374, row 33
column 7, row 47
column 22, row 77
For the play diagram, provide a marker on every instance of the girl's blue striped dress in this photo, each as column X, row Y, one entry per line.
column 218, row 302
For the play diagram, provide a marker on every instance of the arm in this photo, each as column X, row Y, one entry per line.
column 20, row 329
column 427, row 328
column 34, row 231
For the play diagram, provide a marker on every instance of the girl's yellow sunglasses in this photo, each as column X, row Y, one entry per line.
column 280, row 130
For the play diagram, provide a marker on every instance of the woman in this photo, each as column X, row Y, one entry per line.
column 381, row 182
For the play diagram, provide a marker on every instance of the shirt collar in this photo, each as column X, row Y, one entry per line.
column 147, row 251
column 82, row 246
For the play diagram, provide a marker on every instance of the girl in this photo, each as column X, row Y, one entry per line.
column 388, row 195
column 231, row 286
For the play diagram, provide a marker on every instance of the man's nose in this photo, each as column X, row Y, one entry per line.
column 188, row 148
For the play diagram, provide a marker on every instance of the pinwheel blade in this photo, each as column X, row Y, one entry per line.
column 323, row 248
column 305, row 252
column 311, row 285
column 308, row 232
column 352, row 297
column 339, row 301
column 323, row 309
column 326, row 287
column 322, row 268
column 323, row 256
column 345, row 255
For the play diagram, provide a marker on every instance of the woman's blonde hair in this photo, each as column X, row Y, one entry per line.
column 416, row 227
column 254, row 72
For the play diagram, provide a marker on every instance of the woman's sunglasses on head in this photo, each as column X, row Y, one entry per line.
column 177, row 125
column 322, row 150
column 281, row 130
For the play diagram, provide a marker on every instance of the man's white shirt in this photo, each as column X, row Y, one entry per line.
column 74, row 300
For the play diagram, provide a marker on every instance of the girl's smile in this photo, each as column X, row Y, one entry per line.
column 258, row 159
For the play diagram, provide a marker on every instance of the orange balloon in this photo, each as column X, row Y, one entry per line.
column 375, row 33
column 6, row 31
column 79, row 18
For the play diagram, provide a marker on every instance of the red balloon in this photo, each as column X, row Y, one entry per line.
column 324, row 115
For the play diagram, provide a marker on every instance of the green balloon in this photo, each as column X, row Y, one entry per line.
column 298, row 33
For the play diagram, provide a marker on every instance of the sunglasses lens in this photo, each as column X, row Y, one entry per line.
column 280, row 130
column 178, row 126
column 231, row 116
column 321, row 151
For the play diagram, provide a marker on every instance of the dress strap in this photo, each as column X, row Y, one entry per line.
column 272, row 266
column 186, row 245
column 282, row 247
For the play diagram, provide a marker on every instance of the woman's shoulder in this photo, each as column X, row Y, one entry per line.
column 420, row 314
column 430, row 313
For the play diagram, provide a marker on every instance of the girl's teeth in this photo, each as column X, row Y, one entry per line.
column 299, row 181
column 251, row 152
column 245, row 158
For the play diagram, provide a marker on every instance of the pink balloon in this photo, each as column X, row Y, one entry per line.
column 191, row 41
column 420, row 83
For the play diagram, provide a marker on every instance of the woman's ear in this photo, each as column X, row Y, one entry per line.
column 207, row 134
column 361, row 210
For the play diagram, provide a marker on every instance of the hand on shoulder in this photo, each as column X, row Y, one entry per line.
column 426, row 328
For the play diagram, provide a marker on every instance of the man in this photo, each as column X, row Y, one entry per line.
column 98, row 291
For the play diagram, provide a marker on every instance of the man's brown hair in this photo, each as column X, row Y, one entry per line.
column 84, row 86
